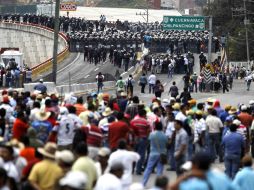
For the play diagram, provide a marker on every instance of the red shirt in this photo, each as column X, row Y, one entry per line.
column 117, row 130
column 94, row 136
column 28, row 153
column 19, row 129
column 245, row 118
column 141, row 127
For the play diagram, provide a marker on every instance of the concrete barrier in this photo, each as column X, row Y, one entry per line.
column 35, row 42
column 51, row 87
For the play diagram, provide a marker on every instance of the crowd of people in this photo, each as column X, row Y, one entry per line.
column 48, row 142
column 82, row 32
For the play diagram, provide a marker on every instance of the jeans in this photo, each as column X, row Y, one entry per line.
column 232, row 163
column 142, row 88
column 170, row 73
column 179, row 162
column 214, row 145
column 153, row 160
column 151, row 86
column 100, row 85
column 141, row 150
column 195, row 86
column 190, row 148
column 171, row 157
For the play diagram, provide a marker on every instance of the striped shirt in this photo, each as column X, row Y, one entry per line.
column 141, row 126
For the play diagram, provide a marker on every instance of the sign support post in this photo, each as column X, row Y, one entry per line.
column 55, row 48
column 210, row 39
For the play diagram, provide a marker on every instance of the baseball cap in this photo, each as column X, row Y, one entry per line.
column 74, row 179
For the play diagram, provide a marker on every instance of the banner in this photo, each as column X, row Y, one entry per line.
column 70, row 6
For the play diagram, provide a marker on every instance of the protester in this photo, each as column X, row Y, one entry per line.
column 158, row 149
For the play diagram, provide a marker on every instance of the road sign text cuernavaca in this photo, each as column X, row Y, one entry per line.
column 183, row 23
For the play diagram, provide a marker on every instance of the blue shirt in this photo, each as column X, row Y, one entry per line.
column 223, row 116
column 42, row 128
column 217, row 180
column 158, row 142
column 233, row 143
column 244, row 179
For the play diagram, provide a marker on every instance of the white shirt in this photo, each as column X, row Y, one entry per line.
column 170, row 129
column 32, row 114
column 152, row 79
column 200, row 126
column 65, row 130
column 11, row 170
column 108, row 181
column 77, row 121
column 180, row 116
column 186, row 62
column 9, row 112
column 214, row 124
column 127, row 158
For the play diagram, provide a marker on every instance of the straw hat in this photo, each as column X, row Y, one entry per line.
column 123, row 94
column 49, row 150
column 42, row 115
column 107, row 112
column 233, row 110
column 176, row 106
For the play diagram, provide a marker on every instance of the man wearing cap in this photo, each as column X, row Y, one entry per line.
column 45, row 174
column 40, row 87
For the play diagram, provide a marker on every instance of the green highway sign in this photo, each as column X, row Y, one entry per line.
column 183, row 23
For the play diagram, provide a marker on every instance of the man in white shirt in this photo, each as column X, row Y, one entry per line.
column 111, row 180
column 126, row 158
column 186, row 63
column 65, row 130
column 181, row 115
column 214, row 128
column 151, row 82
column 72, row 114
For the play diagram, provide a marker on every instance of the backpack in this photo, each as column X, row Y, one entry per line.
column 100, row 78
column 129, row 83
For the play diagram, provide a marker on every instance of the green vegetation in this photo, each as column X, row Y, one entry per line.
column 231, row 24
column 122, row 3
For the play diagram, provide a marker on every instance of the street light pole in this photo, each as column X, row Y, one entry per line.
column 210, row 39
column 56, row 31
column 246, row 34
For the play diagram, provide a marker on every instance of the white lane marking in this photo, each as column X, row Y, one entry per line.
column 130, row 68
column 69, row 64
column 87, row 76
column 96, row 69
column 123, row 73
column 165, row 84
